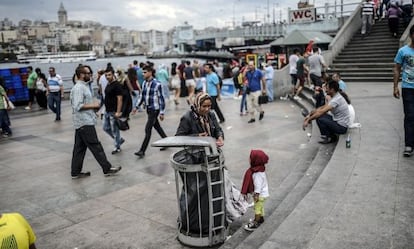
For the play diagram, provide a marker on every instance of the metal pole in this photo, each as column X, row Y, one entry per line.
column 234, row 16
column 268, row 15
column 280, row 15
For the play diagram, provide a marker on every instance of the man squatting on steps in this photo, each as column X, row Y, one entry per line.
column 331, row 125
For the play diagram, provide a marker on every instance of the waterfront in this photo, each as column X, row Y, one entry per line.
column 66, row 70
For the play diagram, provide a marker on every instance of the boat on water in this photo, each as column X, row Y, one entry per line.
column 61, row 57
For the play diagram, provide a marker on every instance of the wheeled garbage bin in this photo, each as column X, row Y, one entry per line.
column 199, row 182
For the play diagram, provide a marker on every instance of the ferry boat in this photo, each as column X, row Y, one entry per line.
column 61, row 57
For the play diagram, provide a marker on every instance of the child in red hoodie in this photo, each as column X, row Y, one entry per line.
column 255, row 183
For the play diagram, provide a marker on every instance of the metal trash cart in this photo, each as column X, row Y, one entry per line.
column 200, row 192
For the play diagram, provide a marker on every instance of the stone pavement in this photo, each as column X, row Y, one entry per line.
column 137, row 208
column 322, row 196
column 364, row 196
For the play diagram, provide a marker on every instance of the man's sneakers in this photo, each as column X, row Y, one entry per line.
column 116, row 151
column 328, row 139
column 297, row 97
column 112, row 171
column 81, row 175
column 251, row 121
column 139, row 154
column 251, row 226
column 261, row 115
column 408, row 151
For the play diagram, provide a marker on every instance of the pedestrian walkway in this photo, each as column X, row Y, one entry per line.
column 137, row 208
column 364, row 196
column 322, row 196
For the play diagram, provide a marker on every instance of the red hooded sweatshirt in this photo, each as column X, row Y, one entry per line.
column 257, row 161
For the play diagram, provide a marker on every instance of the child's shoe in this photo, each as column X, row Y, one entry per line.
column 251, row 226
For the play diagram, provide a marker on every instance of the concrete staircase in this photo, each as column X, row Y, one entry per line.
column 369, row 58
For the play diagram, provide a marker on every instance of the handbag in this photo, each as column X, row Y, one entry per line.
column 263, row 99
column 122, row 123
column 8, row 104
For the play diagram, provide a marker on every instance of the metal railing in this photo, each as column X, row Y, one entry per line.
column 329, row 18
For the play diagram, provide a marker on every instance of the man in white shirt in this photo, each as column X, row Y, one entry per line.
column 367, row 9
column 269, row 71
column 293, row 59
column 55, row 92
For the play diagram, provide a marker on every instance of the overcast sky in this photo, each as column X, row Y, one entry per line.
column 153, row 14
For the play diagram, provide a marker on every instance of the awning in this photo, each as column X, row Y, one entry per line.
column 298, row 37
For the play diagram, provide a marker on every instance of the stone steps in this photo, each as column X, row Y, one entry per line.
column 369, row 58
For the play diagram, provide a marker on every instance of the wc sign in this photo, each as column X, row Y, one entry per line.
column 305, row 15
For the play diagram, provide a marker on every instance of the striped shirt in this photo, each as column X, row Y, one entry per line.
column 55, row 83
column 368, row 8
column 79, row 96
column 152, row 96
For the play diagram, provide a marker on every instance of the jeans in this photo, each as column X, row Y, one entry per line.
column 85, row 137
column 366, row 24
column 5, row 121
column 269, row 89
column 152, row 122
column 384, row 3
column 243, row 102
column 135, row 98
column 110, row 127
column 407, row 11
column 328, row 127
column 165, row 91
column 408, row 105
column 216, row 108
column 54, row 99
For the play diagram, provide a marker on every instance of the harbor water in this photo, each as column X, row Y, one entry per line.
column 66, row 70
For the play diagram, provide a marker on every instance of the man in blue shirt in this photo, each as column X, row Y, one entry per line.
column 404, row 61
column 256, row 86
column 213, row 89
column 153, row 100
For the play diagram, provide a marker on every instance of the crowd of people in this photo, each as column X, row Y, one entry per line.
column 393, row 10
column 333, row 107
column 143, row 87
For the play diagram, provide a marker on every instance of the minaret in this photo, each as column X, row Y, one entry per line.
column 62, row 16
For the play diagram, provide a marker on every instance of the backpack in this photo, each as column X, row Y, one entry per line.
column 126, row 100
column 236, row 80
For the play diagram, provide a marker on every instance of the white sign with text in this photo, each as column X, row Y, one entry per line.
column 306, row 15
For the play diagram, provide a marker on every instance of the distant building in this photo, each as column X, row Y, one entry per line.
column 62, row 16
column 8, row 35
column 25, row 23
column 38, row 32
column 99, row 50
column 6, row 24
column 183, row 35
column 154, row 40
